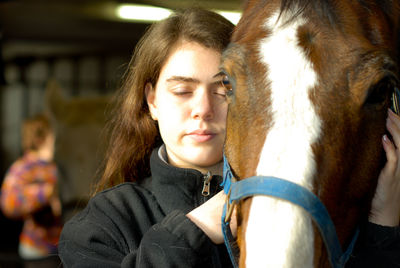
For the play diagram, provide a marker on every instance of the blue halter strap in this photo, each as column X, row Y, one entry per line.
column 294, row 193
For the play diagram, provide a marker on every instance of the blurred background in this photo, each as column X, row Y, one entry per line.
column 67, row 57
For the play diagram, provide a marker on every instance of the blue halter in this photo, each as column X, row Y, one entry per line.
column 294, row 193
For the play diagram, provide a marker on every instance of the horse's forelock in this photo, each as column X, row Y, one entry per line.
column 323, row 8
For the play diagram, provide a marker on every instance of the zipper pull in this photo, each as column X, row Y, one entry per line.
column 206, row 184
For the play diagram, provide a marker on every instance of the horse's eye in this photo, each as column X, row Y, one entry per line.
column 380, row 92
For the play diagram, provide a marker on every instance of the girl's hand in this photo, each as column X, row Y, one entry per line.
column 385, row 208
column 208, row 218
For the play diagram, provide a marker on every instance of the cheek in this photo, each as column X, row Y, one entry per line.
column 222, row 112
column 168, row 131
column 170, row 119
column 169, row 109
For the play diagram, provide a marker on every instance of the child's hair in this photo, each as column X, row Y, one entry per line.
column 34, row 131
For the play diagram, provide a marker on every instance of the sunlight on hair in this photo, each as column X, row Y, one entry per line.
column 147, row 13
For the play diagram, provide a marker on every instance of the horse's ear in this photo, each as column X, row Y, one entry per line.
column 54, row 100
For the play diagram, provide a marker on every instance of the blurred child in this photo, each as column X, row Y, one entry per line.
column 29, row 192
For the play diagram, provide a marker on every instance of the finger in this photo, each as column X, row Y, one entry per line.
column 391, row 155
column 220, row 195
column 394, row 116
column 233, row 223
column 393, row 126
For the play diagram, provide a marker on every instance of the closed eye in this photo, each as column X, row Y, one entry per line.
column 182, row 93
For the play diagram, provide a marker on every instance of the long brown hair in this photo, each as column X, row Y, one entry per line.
column 134, row 134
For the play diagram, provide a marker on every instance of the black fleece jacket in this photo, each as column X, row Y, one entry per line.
column 144, row 225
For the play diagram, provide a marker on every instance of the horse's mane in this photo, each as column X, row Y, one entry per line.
column 323, row 8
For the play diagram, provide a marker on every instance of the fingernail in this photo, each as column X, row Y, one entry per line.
column 393, row 114
column 385, row 138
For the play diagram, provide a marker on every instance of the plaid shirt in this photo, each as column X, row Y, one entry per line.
column 28, row 187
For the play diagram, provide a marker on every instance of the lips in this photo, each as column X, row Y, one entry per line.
column 201, row 135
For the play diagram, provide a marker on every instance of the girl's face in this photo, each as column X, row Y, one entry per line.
column 190, row 105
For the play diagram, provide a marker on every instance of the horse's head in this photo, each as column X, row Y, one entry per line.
column 78, row 123
column 311, row 85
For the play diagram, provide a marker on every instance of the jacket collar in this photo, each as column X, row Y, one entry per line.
column 177, row 188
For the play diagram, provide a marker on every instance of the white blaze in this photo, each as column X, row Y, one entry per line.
column 280, row 234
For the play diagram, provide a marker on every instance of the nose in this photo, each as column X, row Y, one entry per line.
column 203, row 106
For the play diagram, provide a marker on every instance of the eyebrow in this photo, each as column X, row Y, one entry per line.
column 183, row 79
column 193, row 80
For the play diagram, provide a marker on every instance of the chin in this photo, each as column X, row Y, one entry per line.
column 206, row 160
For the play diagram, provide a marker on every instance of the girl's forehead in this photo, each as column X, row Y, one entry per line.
column 191, row 59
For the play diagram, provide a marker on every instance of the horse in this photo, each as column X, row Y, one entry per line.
column 309, row 86
column 80, row 147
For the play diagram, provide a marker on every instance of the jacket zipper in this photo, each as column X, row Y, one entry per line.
column 206, row 184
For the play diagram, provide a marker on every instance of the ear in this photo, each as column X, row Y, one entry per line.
column 151, row 98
